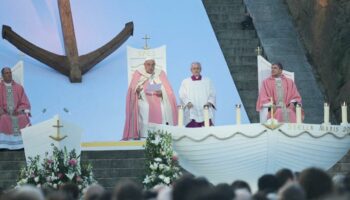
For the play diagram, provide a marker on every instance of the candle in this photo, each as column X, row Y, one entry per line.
column 271, row 101
column 206, row 116
column 238, row 113
column 344, row 113
column 298, row 112
column 326, row 114
column 180, row 119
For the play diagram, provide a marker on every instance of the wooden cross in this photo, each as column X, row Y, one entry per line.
column 146, row 38
column 58, row 136
column 71, row 65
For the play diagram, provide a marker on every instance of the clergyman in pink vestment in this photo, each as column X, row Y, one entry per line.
column 14, row 111
column 284, row 95
column 150, row 99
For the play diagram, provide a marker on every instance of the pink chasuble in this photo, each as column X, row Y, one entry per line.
column 13, row 98
column 283, row 101
column 132, row 125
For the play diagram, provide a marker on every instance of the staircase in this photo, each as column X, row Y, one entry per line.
column 238, row 47
column 108, row 166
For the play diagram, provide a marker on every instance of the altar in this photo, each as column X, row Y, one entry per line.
column 247, row 151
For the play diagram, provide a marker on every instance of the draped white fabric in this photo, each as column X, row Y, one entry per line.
column 228, row 153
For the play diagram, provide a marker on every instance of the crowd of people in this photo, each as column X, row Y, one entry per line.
column 310, row 184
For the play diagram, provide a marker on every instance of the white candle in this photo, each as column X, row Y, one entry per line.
column 206, row 116
column 271, row 109
column 344, row 113
column 238, row 113
column 180, row 120
column 298, row 112
column 326, row 114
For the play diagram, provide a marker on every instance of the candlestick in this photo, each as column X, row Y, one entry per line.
column 206, row 116
column 326, row 114
column 298, row 112
column 238, row 113
column 180, row 119
column 344, row 114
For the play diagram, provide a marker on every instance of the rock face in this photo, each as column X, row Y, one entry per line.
column 324, row 27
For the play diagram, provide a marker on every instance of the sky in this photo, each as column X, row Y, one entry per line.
column 98, row 103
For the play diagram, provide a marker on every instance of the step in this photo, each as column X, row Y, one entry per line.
column 117, row 163
column 118, row 172
column 113, row 154
column 240, row 51
column 246, row 34
column 111, row 182
column 251, row 42
column 11, row 165
column 241, row 60
column 6, row 155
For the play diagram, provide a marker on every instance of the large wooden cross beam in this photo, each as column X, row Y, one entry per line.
column 71, row 65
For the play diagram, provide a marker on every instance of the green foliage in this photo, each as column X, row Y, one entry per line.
column 161, row 161
column 53, row 171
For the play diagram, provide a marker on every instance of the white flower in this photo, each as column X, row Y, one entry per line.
column 167, row 180
column 153, row 166
column 38, row 186
column 156, row 140
column 55, row 186
column 36, row 179
column 162, row 177
column 161, row 166
column 146, row 180
column 158, row 159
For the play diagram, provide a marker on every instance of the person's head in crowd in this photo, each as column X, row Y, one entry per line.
column 291, row 191
column 127, row 189
column 26, row 192
column 164, row 194
column 71, row 190
column 107, row 195
column 242, row 194
column 260, row 195
column 225, row 190
column 188, row 188
column 347, row 182
column 283, row 176
column 239, row 184
column 268, row 183
column 316, row 183
column 93, row 192
column 339, row 183
column 58, row 195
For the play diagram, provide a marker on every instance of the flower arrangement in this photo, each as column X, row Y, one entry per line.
column 53, row 171
column 161, row 161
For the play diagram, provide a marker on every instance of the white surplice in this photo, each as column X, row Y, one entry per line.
column 199, row 93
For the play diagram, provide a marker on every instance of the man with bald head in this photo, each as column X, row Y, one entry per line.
column 150, row 99
column 14, row 111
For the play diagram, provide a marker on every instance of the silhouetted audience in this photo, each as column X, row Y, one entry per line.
column 291, row 191
column 316, row 183
column 127, row 190
column 283, row 176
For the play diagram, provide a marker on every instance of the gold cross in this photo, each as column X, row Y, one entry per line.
column 146, row 38
column 258, row 50
column 57, row 137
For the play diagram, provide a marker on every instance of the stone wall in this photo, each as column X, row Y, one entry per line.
column 324, row 27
